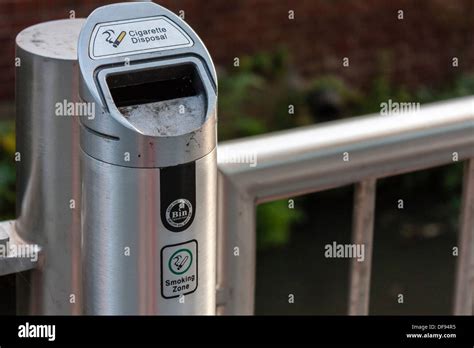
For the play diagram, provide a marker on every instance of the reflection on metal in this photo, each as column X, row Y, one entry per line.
column 464, row 290
column 48, row 185
column 362, row 234
column 15, row 254
column 159, row 201
column 236, row 248
column 320, row 157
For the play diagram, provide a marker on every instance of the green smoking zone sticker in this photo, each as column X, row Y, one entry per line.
column 179, row 269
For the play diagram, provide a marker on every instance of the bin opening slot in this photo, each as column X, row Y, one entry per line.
column 154, row 85
column 161, row 101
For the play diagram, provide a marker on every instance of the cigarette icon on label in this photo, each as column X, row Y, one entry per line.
column 119, row 39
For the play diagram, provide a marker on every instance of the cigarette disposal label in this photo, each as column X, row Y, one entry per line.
column 135, row 36
column 179, row 270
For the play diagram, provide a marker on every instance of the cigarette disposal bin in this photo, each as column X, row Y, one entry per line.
column 148, row 164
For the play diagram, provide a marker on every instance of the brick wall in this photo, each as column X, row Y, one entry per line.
column 323, row 32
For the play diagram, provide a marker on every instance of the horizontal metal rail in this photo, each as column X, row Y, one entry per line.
column 320, row 157
column 15, row 254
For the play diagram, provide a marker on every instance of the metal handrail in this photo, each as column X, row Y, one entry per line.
column 330, row 155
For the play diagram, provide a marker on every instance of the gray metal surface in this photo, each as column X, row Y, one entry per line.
column 120, row 135
column 148, row 151
column 122, row 210
column 236, row 250
column 362, row 234
column 47, row 174
column 464, row 286
column 126, row 242
column 311, row 159
column 13, row 258
column 125, row 11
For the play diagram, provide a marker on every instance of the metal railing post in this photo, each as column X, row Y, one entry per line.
column 236, row 249
column 362, row 234
column 464, row 286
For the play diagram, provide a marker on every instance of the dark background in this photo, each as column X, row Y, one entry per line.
column 432, row 32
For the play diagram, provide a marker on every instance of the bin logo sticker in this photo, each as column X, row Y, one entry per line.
column 179, row 269
column 179, row 213
column 113, row 39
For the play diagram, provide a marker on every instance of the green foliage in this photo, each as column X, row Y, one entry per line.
column 271, row 65
column 335, row 84
column 254, row 97
column 337, row 92
column 460, row 87
column 235, row 92
column 274, row 222
column 7, row 170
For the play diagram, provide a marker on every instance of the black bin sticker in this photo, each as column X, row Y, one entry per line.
column 178, row 196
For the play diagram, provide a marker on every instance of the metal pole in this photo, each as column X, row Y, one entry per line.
column 464, row 286
column 48, row 185
column 236, row 249
column 362, row 234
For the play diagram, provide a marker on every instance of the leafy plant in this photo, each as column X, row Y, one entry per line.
column 7, row 170
column 274, row 221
